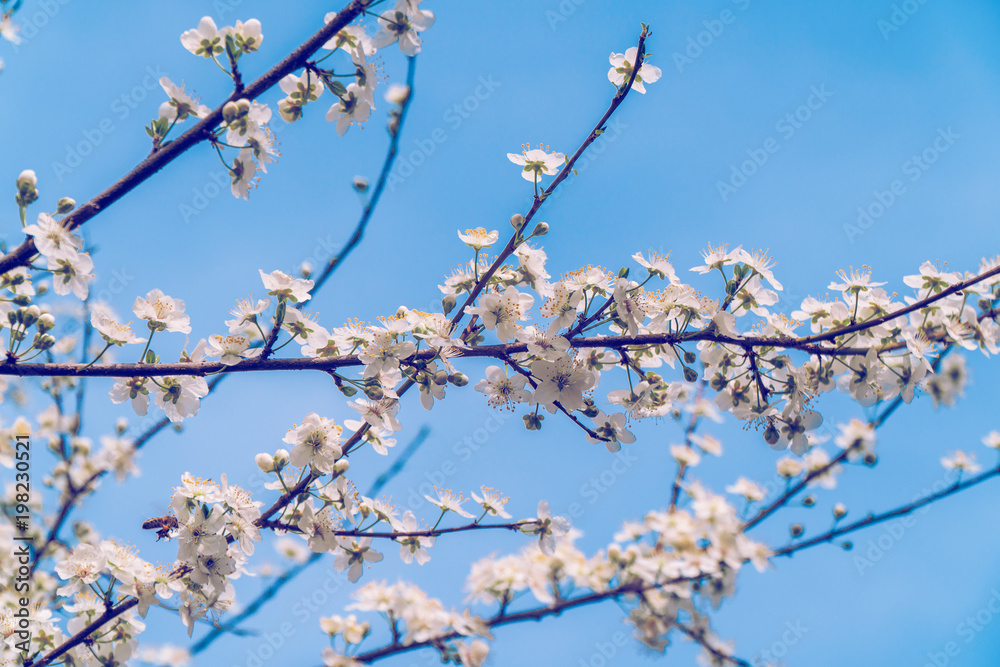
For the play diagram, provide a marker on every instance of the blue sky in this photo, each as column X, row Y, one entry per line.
column 842, row 99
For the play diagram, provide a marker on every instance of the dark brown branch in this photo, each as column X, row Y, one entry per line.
column 874, row 519
column 81, row 636
column 560, row 177
column 156, row 161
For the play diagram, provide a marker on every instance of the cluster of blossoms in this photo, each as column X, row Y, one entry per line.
column 664, row 567
column 668, row 568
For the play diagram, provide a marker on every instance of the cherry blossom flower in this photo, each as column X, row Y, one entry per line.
column 992, row 440
column 82, row 567
column 352, row 39
column 243, row 174
column 622, row 65
column 402, row 23
column 658, row 266
column 352, row 556
column 52, row 239
column 231, row 349
column 962, row 462
column 112, row 331
column 283, row 286
column 564, row 381
column 316, row 442
column 246, row 36
column 547, row 527
column 133, row 389
column 746, row 488
column 180, row 396
column 380, row 413
column 245, row 314
column 353, row 107
column 71, row 273
column 205, row 40
column 479, row 238
column 503, row 311
column 536, row 162
column 447, row 501
column 300, row 90
column 492, row 502
column 413, row 548
column 161, row 312
column 180, row 105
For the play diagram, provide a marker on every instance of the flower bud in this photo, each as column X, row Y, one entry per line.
column 441, row 377
column 280, row 459
column 839, row 511
column 22, row 299
column 374, row 392
column 397, row 94
column 27, row 181
column 243, row 106
column 517, row 221
column 43, row 342
column 46, row 322
column 229, row 112
column 340, row 467
column 796, row 529
column 847, row 546
column 448, row 304
column 264, row 461
column 541, row 229
column 30, row 315
column 809, row 501
column 26, row 190
column 360, row 183
column 458, row 378
column 306, row 269
column 65, row 205
column 121, row 425
column 691, row 375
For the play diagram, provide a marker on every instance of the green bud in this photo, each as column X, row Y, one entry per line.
column 459, row 379
column 65, row 205
column 623, row 272
column 374, row 392
column 517, row 221
column 690, row 357
column 229, row 113
column 771, row 435
column 690, row 374
column 448, row 304
column 796, row 530
column 541, row 229
column 46, row 323
column 43, row 341
column 22, row 300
